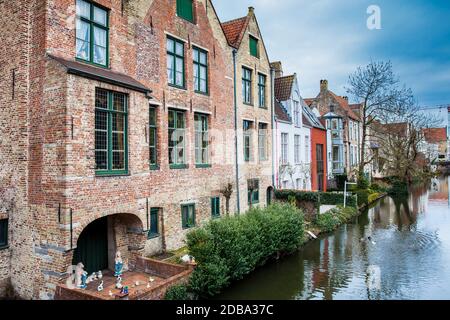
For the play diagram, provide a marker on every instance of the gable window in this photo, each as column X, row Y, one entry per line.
column 307, row 151
column 297, row 149
column 153, row 232
column 153, row 138
column 175, row 62
column 262, row 141
column 254, row 50
column 177, row 138
column 185, row 10
column 111, row 150
column 253, row 191
column 247, row 85
column 3, row 233
column 262, row 90
column 248, row 127
column 297, row 113
column 200, row 70
column 284, row 148
column 215, row 207
column 201, row 140
column 351, row 129
column 92, row 32
column 188, row 216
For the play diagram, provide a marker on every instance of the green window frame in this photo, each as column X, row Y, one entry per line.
column 254, row 46
column 215, row 207
column 253, row 195
column 201, row 139
column 153, row 231
column 153, row 138
column 188, row 216
column 200, row 70
column 262, row 90
column 3, row 233
column 247, row 85
column 262, row 141
column 92, row 33
column 175, row 63
column 248, row 140
column 185, row 10
column 177, row 139
column 111, row 130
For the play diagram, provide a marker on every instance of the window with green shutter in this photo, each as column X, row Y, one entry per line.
column 188, row 216
column 247, row 85
column 177, row 137
column 92, row 32
column 254, row 50
column 248, row 127
column 111, row 149
column 262, row 141
column 200, row 70
column 215, row 207
column 153, row 223
column 185, row 10
column 175, row 62
column 3, row 233
column 201, row 140
column 153, row 138
column 262, row 90
column 253, row 191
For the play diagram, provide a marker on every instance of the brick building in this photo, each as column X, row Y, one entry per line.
column 253, row 109
column 117, row 131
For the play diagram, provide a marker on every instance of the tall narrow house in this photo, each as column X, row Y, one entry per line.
column 253, row 111
column 112, row 131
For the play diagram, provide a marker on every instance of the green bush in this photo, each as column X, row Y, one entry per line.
column 363, row 183
column 398, row 187
column 318, row 198
column 328, row 221
column 373, row 197
column 177, row 292
column 363, row 197
column 230, row 248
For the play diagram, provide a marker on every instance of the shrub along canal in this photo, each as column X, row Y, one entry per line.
column 407, row 256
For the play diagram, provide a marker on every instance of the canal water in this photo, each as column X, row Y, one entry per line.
column 408, row 256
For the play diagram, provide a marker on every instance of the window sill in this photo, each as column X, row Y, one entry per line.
column 92, row 63
column 153, row 236
column 203, row 166
column 4, row 247
column 188, row 227
column 187, row 20
column 264, row 108
column 202, row 93
column 179, row 166
column 154, row 167
column 112, row 174
column 248, row 104
column 177, row 87
column 216, row 217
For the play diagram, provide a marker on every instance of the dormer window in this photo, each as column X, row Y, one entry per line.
column 254, row 47
column 92, row 32
column 185, row 10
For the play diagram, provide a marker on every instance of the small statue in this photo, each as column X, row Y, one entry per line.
column 93, row 276
column 119, row 283
column 110, row 293
column 118, row 265
column 124, row 290
column 100, row 275
column 151, row 279
column 80, row 276
column 100, row 287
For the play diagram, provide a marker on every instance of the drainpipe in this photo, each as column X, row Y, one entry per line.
column 274, row 141
column 238, row 203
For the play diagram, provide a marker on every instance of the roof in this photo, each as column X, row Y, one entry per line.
column 283, row 87
column 344, row 105
column 280, row 112
column 309, row 101
column 101, row 74
column 235, row 30
column 311, row 118
column 435, row 135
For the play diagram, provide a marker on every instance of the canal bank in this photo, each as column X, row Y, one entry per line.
column 407, row 258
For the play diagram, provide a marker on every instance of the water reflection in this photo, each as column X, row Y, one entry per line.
column 407, row 258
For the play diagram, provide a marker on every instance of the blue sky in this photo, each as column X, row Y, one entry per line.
column 329, row 39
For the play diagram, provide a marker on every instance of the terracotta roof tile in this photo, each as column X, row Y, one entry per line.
column 283, row 87
column 435, row 135
column 281, row 113
column 234, row 30
column 344, row 105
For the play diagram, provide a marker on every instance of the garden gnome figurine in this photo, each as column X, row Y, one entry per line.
column 99, row 275
column 119, row 283
column 118, row 265
column 80, row 276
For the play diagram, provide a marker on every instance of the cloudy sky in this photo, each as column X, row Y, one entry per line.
column 329, row 39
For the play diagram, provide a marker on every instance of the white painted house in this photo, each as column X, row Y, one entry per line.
column 292, row 135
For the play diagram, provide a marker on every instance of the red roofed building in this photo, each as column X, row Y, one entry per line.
column 437, row 137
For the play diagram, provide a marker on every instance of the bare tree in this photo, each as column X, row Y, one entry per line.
column 289, row 170
column 227, row 192
column 377, row 88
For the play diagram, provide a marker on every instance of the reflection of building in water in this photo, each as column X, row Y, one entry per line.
column 439, row 190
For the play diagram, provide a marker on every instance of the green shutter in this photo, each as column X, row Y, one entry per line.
column 3, row 233
column 153, row 232
column 254, row 46
column 185, row 10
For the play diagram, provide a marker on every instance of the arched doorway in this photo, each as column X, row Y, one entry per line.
column 92, row 246
column 269, row 195
column 99, row 241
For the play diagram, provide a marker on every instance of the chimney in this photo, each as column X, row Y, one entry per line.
column 323, row 85
column 345, row 98
column 251, row 10
column 278, row 68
